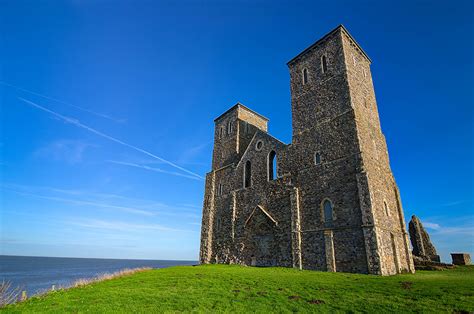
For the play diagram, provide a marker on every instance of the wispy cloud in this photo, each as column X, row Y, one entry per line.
column 102, row 200
column 189, row 155
column 453, row 203
column 70, row 151
column 462, row 226
column 457, row 230
column 191, row 206
column 64, row 103
column 76, row 123
column 431, row 225
column 129, row 164
column 123, row 226
column 89, row 203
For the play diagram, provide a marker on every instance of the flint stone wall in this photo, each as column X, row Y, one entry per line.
column 281, row 221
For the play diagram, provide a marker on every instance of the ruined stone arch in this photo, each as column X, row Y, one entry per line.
column 260, row 238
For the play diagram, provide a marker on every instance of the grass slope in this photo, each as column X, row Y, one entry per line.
column 220, row 288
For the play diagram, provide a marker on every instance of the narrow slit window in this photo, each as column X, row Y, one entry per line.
column 324, row 64
column 317, row 158
column 247, row 174
column 272, row 166
column 218, row 224
column 221, row 132
column 305, row 76
column 229, row 128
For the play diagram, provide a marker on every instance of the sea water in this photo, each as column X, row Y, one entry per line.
column 36, row 274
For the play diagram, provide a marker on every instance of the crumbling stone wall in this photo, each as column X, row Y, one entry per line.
column 283, row 221
column 420, row 240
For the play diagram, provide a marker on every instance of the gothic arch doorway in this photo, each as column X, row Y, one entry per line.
column 260, row 240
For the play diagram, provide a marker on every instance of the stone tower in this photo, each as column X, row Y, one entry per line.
column 332, row 203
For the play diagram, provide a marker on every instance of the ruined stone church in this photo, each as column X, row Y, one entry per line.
column 326, row 201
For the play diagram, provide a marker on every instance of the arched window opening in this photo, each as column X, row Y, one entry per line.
column 387, row 210
column 317, row 158
column 327, row 209
column 220, row 189
column 229, row 127
column 272, row 166
column 221, row 131
column 305, row 76
column 247, row 174
column 324, row 64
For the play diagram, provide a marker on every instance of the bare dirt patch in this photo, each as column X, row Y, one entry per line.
column 406, row 285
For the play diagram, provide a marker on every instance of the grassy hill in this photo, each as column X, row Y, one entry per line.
column 217, row 288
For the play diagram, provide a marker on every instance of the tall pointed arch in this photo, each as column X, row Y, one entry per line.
column 272, row 165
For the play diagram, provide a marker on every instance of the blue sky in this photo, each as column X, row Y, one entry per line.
column 107, row 112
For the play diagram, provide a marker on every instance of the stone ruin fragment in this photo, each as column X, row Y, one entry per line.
column 423, row 249
column 461, row 258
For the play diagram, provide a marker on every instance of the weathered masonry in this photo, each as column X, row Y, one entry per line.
column 327, row 201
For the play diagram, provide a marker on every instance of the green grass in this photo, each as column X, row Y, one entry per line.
column 222, row 288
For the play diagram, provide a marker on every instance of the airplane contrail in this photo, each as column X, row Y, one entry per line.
column 123, row 163
column 63, row 102
column 113, row 139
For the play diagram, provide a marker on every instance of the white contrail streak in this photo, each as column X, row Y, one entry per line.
column 89, row 203
column 113, row 139
column 63, row 102
column 129, row 164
